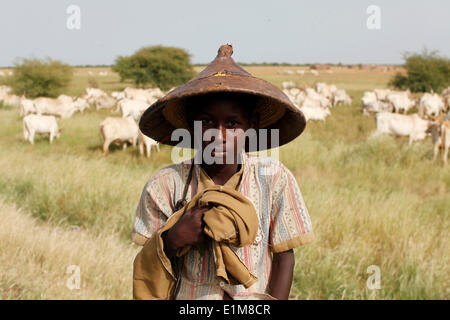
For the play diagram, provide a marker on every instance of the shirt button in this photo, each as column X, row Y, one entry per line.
column 222, row 284
column 258, row 238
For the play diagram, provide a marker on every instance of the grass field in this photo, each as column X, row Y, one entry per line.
column 372, row 202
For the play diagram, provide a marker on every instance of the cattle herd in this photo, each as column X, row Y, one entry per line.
column 40, row 115
column 432, row 116
column 390, row 108
column 315, row 103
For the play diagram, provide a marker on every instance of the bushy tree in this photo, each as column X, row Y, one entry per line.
column 35, row 77
column 159, row 66
column 425, row 72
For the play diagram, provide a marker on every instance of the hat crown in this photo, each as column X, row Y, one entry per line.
column 223, row 64
column 225, row 50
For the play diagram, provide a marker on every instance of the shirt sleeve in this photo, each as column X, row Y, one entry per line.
column 154, row 208
column 291, row 224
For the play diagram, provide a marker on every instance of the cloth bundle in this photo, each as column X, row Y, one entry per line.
column 231, row 220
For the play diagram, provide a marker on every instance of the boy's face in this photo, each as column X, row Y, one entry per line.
column 230, row 121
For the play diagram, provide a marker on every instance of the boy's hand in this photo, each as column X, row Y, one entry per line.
column 187, row 231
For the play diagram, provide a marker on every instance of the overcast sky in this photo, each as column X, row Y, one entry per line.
column 259, row 30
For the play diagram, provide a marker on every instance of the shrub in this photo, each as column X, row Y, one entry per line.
column 159, row 66
column 425, row 72
column 35, row 77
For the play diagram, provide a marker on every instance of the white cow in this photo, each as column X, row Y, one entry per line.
column 402, row 125
column 81, row 104
column 376, row 106
column 34, row 123
column 137, row 94
column 371, row 104
column 314, row 112
column 431, row 105
column 133, row 108
column 326, row 90
column 368, row 96
column 118, row 130
column 146, row 95
column 54, row 107
column 324, row 102
column 381, row 94
column 156, row 92
column 445, row 136
column 11, row 100
column 446, row 98
column 295, row 95
column 65, row 98
column 26, row 107
column 447, row 102
column 400, row 101
column 339, row 96
column 131, row 92
column 311, row 102
column 440, row 137
column 93, row 93
column 148, row 143
column 294, row 91
column 118, row 95
column 104, row 102
column 288, row 84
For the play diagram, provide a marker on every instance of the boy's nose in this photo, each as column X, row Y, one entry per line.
column 222, row 133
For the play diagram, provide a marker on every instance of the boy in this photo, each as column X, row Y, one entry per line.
column 256, row 198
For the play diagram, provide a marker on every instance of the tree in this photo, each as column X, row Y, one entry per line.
column 159, row 66
column 425, row 72
column 35, row 77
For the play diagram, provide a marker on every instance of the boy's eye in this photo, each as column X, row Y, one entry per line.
column 206, row 121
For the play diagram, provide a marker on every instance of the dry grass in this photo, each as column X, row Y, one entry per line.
column 35, row 257
column 372, row 203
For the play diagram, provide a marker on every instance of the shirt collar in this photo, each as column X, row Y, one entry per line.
column 243, row 170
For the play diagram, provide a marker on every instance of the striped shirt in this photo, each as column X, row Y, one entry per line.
column 284, row 224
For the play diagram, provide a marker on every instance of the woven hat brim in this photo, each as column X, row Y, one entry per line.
column 275, row 108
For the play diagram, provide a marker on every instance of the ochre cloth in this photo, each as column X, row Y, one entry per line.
column 232, row 220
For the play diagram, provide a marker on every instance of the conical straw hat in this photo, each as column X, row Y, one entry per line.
column 275, row 109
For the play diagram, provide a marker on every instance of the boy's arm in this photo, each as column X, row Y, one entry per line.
column 281, row 275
